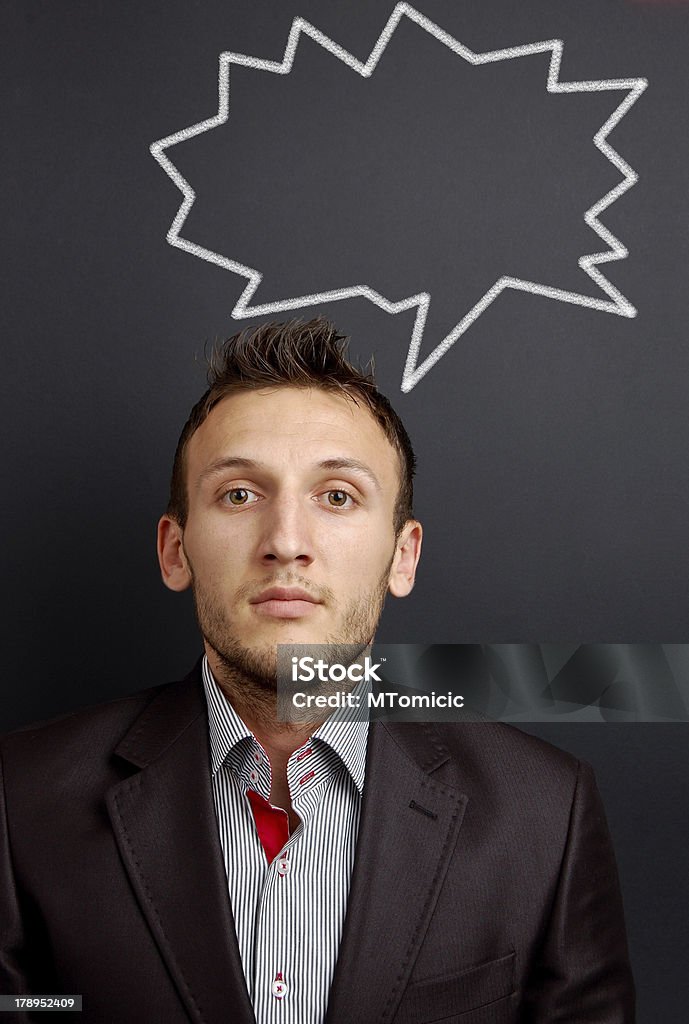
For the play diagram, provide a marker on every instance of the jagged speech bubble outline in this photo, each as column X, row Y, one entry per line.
column 413, row 370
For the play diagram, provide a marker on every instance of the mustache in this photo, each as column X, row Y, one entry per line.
column 248, row 591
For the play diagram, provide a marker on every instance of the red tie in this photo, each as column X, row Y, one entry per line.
column 272, row 824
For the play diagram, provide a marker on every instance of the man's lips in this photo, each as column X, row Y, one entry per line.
column 284, row 603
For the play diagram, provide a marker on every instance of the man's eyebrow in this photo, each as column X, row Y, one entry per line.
column 353, row 464
column 231, row 462
column 239, row 462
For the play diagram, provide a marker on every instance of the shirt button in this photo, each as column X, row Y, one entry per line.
column 283, row 866
column 258, row 757
column 278, row 988
column 253, row 775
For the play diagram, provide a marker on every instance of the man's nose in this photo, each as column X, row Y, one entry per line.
column 287, row 534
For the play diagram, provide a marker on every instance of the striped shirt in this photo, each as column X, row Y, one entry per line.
column 288, row 914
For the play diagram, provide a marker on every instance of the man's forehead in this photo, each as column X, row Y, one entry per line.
column 303, row 423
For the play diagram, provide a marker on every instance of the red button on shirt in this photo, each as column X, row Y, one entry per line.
column 279, row 988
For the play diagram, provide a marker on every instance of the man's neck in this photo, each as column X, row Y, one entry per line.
column 257, row 709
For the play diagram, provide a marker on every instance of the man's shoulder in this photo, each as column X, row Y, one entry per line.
column 497, row 738
column 97, row 727
column 493, row 755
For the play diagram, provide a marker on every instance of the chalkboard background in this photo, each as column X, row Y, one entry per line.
column 552, row 438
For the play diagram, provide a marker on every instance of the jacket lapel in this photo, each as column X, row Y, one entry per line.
column 408, row 830
column 164, row 822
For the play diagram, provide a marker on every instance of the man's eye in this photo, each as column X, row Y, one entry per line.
column 339, row 499
column 238, row 496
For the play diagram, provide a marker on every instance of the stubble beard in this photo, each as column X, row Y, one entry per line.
column 248, row 676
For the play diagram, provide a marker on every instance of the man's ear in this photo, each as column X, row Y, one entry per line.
column 406, row 558
column 174, row 567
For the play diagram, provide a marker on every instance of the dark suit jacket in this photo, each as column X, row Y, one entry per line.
column 484, row 889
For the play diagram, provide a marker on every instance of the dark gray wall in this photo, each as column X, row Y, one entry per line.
column 552, row 438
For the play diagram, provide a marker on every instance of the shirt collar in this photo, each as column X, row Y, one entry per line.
column 225, row 727
column 342, row 732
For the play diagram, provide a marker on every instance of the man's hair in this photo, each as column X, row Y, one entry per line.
column 311, row 354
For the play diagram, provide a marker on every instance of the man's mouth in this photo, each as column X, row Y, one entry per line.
column 284, row 603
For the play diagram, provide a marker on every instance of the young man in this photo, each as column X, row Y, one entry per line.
column 182, row 855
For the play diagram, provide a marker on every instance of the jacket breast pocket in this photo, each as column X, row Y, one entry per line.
column 445, row 998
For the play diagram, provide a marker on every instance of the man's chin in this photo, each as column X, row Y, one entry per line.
column 241, row 664
column 260, row 665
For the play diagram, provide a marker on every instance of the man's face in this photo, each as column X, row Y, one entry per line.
column 289, row 536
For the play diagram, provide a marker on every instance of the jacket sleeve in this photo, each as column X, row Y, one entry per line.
column 582, row 974
column 12, row 978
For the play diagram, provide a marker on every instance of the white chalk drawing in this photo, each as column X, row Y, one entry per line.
column 413, row 371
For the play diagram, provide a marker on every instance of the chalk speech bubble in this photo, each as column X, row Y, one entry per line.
column 614, row 302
